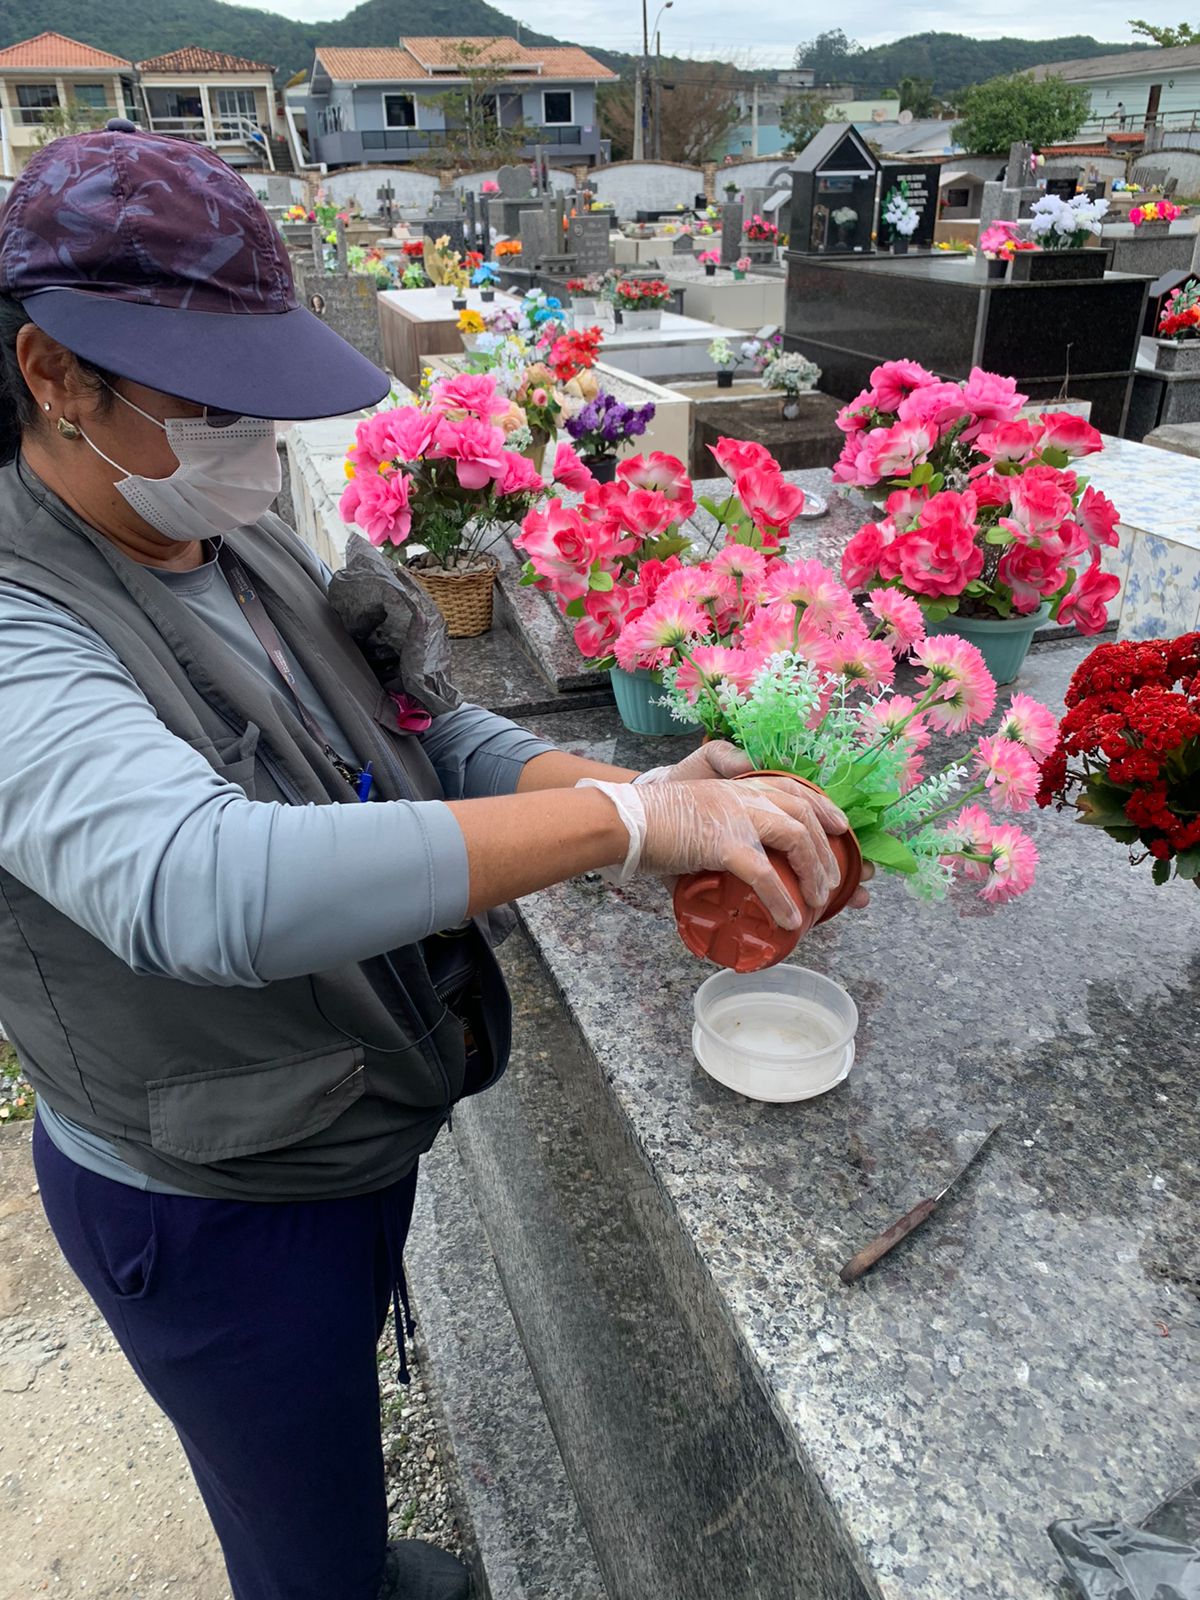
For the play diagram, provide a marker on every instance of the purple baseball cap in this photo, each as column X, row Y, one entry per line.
column 151, row 258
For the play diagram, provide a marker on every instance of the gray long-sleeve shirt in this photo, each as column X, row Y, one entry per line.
column 128, row 831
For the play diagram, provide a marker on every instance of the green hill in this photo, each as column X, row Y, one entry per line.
column 953, row 61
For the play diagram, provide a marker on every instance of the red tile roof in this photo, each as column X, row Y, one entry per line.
column 416, row 60
column 194, row 58
column 55, row 50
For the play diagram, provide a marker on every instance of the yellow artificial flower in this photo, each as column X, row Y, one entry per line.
column 470, row 322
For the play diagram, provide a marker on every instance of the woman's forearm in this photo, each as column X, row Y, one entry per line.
column 526, row 841
column 558, row 769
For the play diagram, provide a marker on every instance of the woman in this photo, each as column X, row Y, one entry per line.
column 247, row 1000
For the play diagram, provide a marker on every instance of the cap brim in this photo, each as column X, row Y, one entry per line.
column 288, row 365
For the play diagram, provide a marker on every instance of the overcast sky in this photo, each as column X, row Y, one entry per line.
column 766, row 33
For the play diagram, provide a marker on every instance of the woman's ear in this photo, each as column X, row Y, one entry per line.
column 53, row 374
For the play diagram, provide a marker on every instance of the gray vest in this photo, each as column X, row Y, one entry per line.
column 331, row 1084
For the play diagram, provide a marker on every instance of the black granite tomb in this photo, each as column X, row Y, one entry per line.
column 834, row 183
column 919, row 184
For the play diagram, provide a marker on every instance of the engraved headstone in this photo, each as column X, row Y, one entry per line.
column 514, row 183
column 279, row 189
column 349, row 304
column 732, row 222
column 683, row 245
column 535, row 237
column 588, row 239
column 453, row 228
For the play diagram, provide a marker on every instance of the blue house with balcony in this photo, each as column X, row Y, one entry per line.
column 389, row 105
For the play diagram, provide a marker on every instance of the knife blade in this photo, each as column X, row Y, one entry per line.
column 921, row 1212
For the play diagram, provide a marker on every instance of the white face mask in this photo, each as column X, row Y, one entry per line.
column 227, row 477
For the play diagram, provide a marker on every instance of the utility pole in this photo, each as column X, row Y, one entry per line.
column 639, row 148
column 643, row 100
column 657, row 95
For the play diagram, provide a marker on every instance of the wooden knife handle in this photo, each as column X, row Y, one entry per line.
column 867, row 1257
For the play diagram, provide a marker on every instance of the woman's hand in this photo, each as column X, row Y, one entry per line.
column 689, row 827
column 716, row 759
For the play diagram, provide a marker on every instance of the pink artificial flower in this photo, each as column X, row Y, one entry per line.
column 991, row 398
column 854, row 417
column 889, row 718
column 902, row 620
column 893, row 452
column 476, row 449
column 703, row 583
column 378, row 503
column 1009, row 441
column 520, row 475
column 1027, row 722
column 1098, row 518
column 473, row 392
column 1013, row 865
column 847, row 469
column 1009, row 772
column 369, row 450
column 965, row 689
column 663, row 473
column 972, row 829
column 865, row 661
column 740, row 455
column 557, row 543
column 892, row 382
column 989, row 488
column 605, row 614
column 771, row 501
column 938, row 406
column 863, row 553
column 1041, row 503
column 1137, row 216
column 827, row 605
column 718, row 664
column 651, row 640
column 1033, row 573
column 745, row 565
column 1075, row 435
column 406, row 433
column 903, row 506
column 940, row 556
column 1087, row 603
column 774, row 628
column 653, row 576
column 570, row 471
column 540, row 397
column 644, row 512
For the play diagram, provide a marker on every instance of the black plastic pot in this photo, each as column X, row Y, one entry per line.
column 487, row 296
column 998, row 268
column 899, row 247
column 710, row 269
column 459, row 303
column 602, row 468
column 725, row 378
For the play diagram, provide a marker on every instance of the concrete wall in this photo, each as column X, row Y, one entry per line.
column 560, row 178
column 1181, row 164
column 413, row 189
column 633, row 186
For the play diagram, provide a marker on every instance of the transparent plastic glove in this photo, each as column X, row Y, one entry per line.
column 717, row 759
column 690, row 827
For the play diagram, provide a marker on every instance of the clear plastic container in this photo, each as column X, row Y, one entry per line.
column 783, row 1034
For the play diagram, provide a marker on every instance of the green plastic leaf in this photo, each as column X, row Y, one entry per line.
column 1161, row 871
column 1053, row 456
column 603, row 581
column 575, row 608
column 670, row 544
column 997, row 536
column 862, row 817
column 885, row 850
column 1187, row 863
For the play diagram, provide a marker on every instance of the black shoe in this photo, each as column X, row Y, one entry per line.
column 419, row 1571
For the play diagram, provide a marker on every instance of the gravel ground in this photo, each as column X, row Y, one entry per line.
column 419, row 1502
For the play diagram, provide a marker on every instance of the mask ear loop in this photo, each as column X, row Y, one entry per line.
column 124, row 399
column 115, row 464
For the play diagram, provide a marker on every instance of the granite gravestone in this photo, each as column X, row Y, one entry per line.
column 1063, row 188
column 347, row 301
column 535, row 237
column 919, row 184
column 732, row 226
column 386, row 195
column 683, row 245
column 279, row 190
column 588, row 240
column 1013, row 199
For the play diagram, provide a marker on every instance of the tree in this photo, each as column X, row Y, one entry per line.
column 1040, row 111
column 476, row 132
column 1168, row 38
column 801, row 117
column 917, row 96
column 700, row 107
column 74, row 117
column 830, row 56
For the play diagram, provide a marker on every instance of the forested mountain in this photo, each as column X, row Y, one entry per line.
column 953, row 60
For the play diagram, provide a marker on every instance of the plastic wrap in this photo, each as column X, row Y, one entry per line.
column 1158, row 1561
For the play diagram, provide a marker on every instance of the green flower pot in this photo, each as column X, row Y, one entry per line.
column 637, row 694
column 1002, row 641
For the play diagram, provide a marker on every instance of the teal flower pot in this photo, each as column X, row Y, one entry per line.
column 1002, row 641
column 637, row 695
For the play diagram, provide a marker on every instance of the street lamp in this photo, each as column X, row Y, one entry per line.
column 666, row 6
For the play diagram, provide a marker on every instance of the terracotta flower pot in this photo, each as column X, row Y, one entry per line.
column 721, row 918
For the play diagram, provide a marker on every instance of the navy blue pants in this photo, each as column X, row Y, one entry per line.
column 255, row 1328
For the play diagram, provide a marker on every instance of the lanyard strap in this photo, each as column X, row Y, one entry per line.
column 265, row 632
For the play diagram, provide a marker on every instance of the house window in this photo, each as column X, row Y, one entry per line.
column 399, row 111
column 35, row 99
column 558, row 107
column 92, row 95
column 236, row 103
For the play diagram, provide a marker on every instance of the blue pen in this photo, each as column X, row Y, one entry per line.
column 363, row 787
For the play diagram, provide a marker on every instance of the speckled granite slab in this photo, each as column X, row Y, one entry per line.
column 1032, row 1352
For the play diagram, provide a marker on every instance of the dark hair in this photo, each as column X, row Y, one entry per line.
column 18, row 409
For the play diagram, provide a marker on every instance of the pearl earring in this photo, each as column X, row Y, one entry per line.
column 45, row 405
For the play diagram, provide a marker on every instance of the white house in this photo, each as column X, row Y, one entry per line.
column 1137, row 89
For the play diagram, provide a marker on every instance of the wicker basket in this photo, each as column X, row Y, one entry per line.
column 463, row 596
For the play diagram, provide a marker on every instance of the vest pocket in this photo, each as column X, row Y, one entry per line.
column 233, row 759
column 243, row 1111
